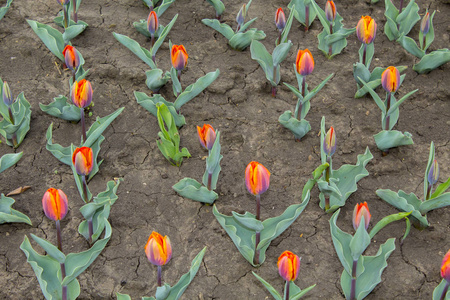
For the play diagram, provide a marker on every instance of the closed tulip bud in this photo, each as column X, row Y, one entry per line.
column 445, row 268
column 329, row 143
column 206, row 136
column 361, row 209
column 330, row 11
column 63, row 2
column 433, row 174
column 152, row 22
column 366, row 30
column 7, row 97
column 241, row 16
column 83, row 160
column 304, row 63
column 280, row 19
column 257, row 178
column 425, row 24
column 82, row 93
column 55, row 204
column 390, row 79
column 71, row 58
column 158, row 249
column 179, row 57
column 288, row 265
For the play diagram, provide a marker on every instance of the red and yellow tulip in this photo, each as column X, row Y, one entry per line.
column 390, row 79
column 152, row 22
column 329, row 144
column 330, row 11
column 304, row 63
column 71, row 58
column 257, row 178
column 366, row 30
column 445, row 268
column 361, row 209
column 158, row 249
column 425, row 24
column 206, row 136
column 83, row 160
column 280, row 19
column 55, row 204
column 82, row 93
column 179, row 57
column 288, row 265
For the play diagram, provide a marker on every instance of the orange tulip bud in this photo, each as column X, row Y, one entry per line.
column 361, row 209
column 425, row 24
column 82, row 93
column 83, row 160
column 206, row 135
column 71, row 58
column 445, row 268
column 288, row 265
column 304, row 62
column 329, row 144
column 366, row 30
column 280, row 19
column 179, row 57
column 330, row 11
column 55, row 204
column 257, row 178
column 390, row 79
column 152, row 22
column 158, row 249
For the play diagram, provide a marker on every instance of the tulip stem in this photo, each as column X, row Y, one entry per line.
column 444, row 292
column 353, row 284
column 85, row 193
column 279, row 37
column 91, row 230
column 11, row 116
column 258, row 206
column 159, row 276
column 306, row 18
column 304, row 86
column 364, row 54
column 14, row 136
column 401, row 7
column 179, row 79
column 152, row 40
column 274, row 88
column 424, row 42
column 258, row 234
column 66, row 17
column 330, row 48
column 299, row 111
column 430, row 188
column 388, row 106
column 83, row 125
column 209, row 180
column 286, row 290
column 58, row 235
column 63, row 275
column 327, row 178
column 75, row 14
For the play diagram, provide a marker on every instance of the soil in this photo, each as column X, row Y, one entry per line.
column 238, row 104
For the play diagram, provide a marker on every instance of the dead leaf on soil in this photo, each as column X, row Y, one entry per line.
column 19, row 190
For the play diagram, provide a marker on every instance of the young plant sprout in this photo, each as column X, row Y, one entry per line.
column 305, row 14
column 399, row 22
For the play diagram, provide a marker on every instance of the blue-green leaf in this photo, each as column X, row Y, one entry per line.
column 213, row 163
column 8, row 160
column 5, row 8
column 437, row 293
column 242, row 40
column 299, row 7
column 51, row 37
column 9, row 215
column 194, row 190
column 60, row 108
column 432, row 61
column 269, row 287
column 149, row 103
column 392, row 138
column 298, row 127
column 134, row 47
column 222, row 28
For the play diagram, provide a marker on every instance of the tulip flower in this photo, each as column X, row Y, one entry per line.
column 240, row 18
column 72, row 59
column 152, row 25
column 257, row 179
column 361, row 209
column 366, row 31
column 445, row 274
column 206, row 136
column 288, row 267
column 304, row 65
column 433, row 176
column 82, row 97
column 330, row 11
column 329, row 143
column 390, row 80
column 7, row 97
column 83, row 160
column 179, row 58
column 425, row 28
column 158, row 251
column 280, row 22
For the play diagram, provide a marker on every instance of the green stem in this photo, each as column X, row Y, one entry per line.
column 430, row 188
column 444, row 292
column 330, row 48
column 209, row 180
column 11, row 116
column 327, row 178
column 152, row 39
column 258, row 234
column 66, row 17
column 388, row 106
column 286, row 293
column 83, row 126
column 63, row 275
column 159, row 276
column 179, row 79
column 304, row 86
column 274, row 88
column 279, row 37
column 364, row 55
column 58, row 235
column 75, row 14
column 353, row 284
column 401, row 7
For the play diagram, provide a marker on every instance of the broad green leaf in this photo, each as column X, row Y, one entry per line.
column 296, row 293
column 149, row 103
column 269, row 287
column 156, row 79
column 5, row 8
column 429, row 38
column 441, row 189
column 395, row 105
column 311, row 94
column 60, row 108
column 51, row 250
column 71, row 32
column 388, row 220
column 134, row 47
column 218, row 6
column 9, row 215
column 100, row 124
column 427, row 170
column 21, row 110
column 213, row 163
column 246, row 25
column 434, row 203
column 341, row 242
column 9, row 160
column 437, row 293
column 163, row 35
column 262, row 56
column 159, row 10
column 280, row 52
column 393, row 138
column 361, row 71
column 410, row 45
column 317, row 173
column 176, row 85
column 432, row 61
column 375, row 96
column 192, row 189
column 51, row 37
column 321, row 15
column 122, row 296
column 360, row 241
column 298, row 128
column 408, row 18
column 287, row 28
column 222, row 28
column 242, row 40
column 370, row 49
column 299, row 7
column 196, row 88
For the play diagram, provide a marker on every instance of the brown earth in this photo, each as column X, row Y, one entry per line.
column 240, row 106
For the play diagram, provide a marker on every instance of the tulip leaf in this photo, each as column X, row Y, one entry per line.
column 134, row 47
column 242, row 40
column 298, row 128
column 360, row 240
column 263, row 57
column 218, row 6
column 269, row 287
column 408, row 18
column 345, row 180
column 163, row 35
column 60, row 108
column 71, row 32
column 51, row 250
column 374, row 95
column 341, row 242
column 244, row 238
column 392, row 138
column 429, row 37
column 98, row 210
column 410, row 45
column 371, row 276
column 160, row 9
column 317, row 173
column 8, row 160
column 434, row 203
column 387, row 220
column 296, row 292
column 176, row 84
column 280, row 53
column 149, row 103
column 21, row 110
column 222, row 28
column 58, row 151
column 370, row 49
column 156, row 79
column 432, row 61
column 9, row 215
column 437, row 293
column 427, row 170
column 394, row 106
column 100, row 124
column 122, row 296
column 246, row 25
column 196, row 88
column 51, row 37
column 5, row 8
column 310, row 95
column 48, row 274
column 287, row 27
column 194, row 190
column 299, row 9
column 441, row 189
column 404, row 202
column 213, row 163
